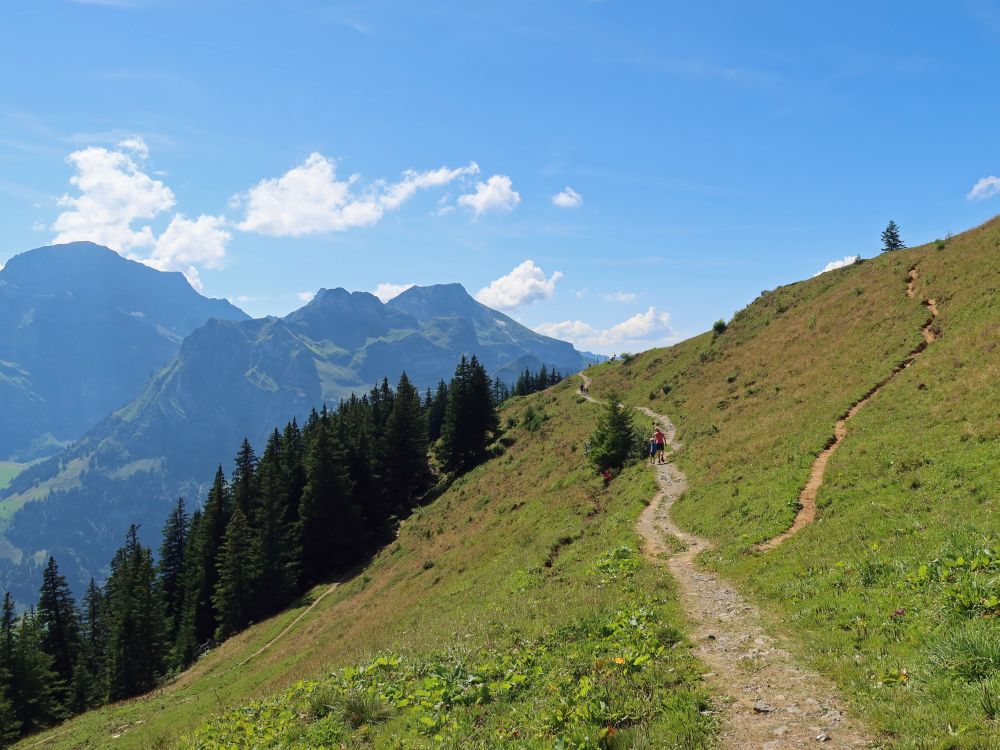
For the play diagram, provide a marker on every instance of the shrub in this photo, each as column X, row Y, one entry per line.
column 627, row 357
column 533, row 419
column 666, row 388
column 719, row 327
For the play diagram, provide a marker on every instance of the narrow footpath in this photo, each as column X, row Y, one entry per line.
column 767, row 700
column 807, row 498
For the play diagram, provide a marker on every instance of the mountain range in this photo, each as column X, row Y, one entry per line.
column 81, row 330
column 231, row 378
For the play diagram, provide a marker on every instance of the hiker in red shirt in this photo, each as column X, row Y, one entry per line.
column 661, row 442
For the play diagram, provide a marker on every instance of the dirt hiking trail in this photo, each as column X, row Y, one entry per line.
column 807, row 498
column 768, row 700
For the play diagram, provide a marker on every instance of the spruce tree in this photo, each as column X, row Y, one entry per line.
column 59, row 626
column 34, row 683
column 90, row 686
column 331, row 524
column 243, row 488
column 10, row 724
column 273, row 539
column 891, row 239
column 233, row 598
column 170, row 568
column 135, row 621
column 407, row 472
column 199, row 621
column 435, row 414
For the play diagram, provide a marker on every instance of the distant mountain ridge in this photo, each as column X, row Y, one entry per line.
column 81, row 330
column 232, row 379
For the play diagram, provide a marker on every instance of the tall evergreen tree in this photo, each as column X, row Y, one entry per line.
column 243, row 488
column 331, row 524
column 59, row 626
column 273, row 540
column 33, row 680
column 616, row 439
column 135, row 621
column 891, row 239
column 234, row 596
column 170, row 568
column 435, row 415
column 199, row 621
column 90, row 685
column 10, row 724
column 407, row 472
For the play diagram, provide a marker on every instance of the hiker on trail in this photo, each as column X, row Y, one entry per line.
column 661, row 442
column 607, row 477
column 652, row 449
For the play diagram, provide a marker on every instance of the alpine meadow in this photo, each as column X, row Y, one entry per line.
column 467, row 376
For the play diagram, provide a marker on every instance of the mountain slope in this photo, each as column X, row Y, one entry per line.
column 81, row 330
column 518, row 561
column 232, row 380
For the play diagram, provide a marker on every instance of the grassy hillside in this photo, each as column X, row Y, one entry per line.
column 519, row 592
column 895, row 590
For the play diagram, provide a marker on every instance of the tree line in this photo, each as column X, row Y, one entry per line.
column 315, row 502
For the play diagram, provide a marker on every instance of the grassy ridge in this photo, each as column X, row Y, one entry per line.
column 895, row 590
column 506, row 562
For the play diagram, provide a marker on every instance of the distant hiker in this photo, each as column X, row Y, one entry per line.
column 661, row 442
column 607, row 477
column 652, row 449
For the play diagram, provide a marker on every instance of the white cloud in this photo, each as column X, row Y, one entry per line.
column 641, row 331
column 620, row 297
column 522, row 286
column 311, row 199
column 386, row 291
column 114, row 193
column 496, row 195
column 188, row 243
column 568, row 198
column 987, row 187
column 305, row 296
column 835, row 264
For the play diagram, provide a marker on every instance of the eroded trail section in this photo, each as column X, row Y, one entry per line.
column 807, row 498
column 769, row 702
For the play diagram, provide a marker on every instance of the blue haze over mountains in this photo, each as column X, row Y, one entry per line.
column 158, row 386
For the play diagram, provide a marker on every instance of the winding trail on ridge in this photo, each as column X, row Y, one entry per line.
column 768, row 700
column 807, row 498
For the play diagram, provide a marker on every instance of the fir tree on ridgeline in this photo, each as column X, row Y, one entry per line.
column 90, row 684
column 470, row 419
column 436, row 410
column 10, row 724
column 243, row 487
column 34, row 683
column 891, row 239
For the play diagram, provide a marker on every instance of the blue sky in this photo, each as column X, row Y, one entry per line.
column 710, row 150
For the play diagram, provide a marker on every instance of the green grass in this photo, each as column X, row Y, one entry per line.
column 518, row 568
column 913, row 487
column 9, row 470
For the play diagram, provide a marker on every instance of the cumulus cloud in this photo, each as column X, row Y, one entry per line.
column 188, row 243
column 496, row 195
column 386, row 291
column 620, row 297
column 522, row 286
column 568, row 198
column 114, row 193
column 641, row 331
column 987, row 187
column 312, row 199
column 835, row 264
